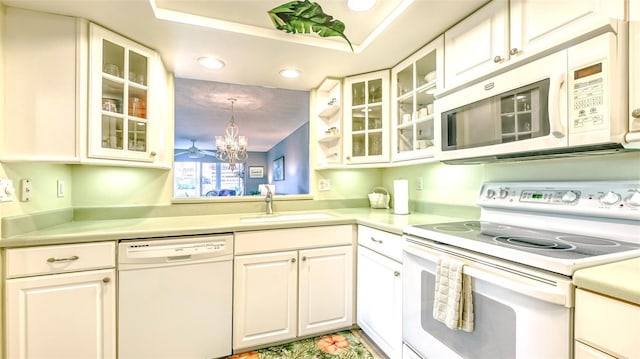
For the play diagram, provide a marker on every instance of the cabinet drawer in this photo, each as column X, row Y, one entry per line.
column 292, row 238
column 607, row 324
column 385, row 243
column 22, row 262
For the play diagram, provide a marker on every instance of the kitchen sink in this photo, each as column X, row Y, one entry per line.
column 284, row 217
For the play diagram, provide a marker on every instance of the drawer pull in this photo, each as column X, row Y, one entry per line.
column 376, row 240
column 106, row 279
column 54, row 260
column 396, row 274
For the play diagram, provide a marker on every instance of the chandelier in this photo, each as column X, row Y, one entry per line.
column 231, row 147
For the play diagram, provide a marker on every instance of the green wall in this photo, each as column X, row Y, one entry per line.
column 97, row 186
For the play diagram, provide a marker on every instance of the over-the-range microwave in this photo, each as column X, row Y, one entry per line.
column 573, row 100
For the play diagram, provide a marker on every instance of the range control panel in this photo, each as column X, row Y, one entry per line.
column 617, row 199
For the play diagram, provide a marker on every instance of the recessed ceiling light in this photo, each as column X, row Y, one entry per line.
column 360, row 5
column 210, row 62
column 289, row 73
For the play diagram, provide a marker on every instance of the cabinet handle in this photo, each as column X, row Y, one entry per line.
column 513, row 51
column 636, row 113
column 396, row 274
column 293, row 260
column 376, row 240
column 53, row 260
column 106, row 279
column 497, row 59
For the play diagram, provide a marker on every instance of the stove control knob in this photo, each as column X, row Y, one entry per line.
column 503, row 193
column 610, row 198
column 634, row 200
column 569, row 197
column 491, row 193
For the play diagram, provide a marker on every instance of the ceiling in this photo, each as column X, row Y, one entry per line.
column 240, row 33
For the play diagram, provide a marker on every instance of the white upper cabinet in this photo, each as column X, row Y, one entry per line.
column 326, row 142
column 81, row 94
column 43, row 96
column 634, row 69
column 366, row 118
column 477, row 45
column 415, row 81
column 124, row 123
column 503, row 33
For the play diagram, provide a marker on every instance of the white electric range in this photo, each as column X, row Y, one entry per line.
column 521, row 254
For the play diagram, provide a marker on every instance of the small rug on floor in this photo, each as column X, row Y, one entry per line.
column 341, row 345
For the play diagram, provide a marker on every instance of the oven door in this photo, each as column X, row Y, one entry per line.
column 517, row 315
column 519, row 110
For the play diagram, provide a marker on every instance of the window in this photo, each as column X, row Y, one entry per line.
column 207, row 179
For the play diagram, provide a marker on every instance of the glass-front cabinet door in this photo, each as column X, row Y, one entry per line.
column 121, row 120
column 415, row 83
column 366, row 118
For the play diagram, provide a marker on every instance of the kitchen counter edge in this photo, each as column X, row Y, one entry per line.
column 159, row 227
column 618, row 280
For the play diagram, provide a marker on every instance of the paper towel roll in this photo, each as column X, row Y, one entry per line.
column 401, row 196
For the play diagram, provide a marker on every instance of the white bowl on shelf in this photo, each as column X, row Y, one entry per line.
column 430, row 76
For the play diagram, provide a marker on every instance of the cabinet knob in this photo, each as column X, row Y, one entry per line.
column 497, row 59
column 636, row 113
column 106, row 279
column 293, row 260
column 68, row 259
column 513, row 51
column 304, row 258
column 153, row 153
column 396, row 274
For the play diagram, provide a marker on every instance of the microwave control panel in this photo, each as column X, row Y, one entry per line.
column 587, row 99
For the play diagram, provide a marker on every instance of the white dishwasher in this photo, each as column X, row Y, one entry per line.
column 174, row 297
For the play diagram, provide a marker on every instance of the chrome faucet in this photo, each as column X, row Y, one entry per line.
column 269, row 200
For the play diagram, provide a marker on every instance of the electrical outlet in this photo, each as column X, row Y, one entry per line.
column 419, row 184
column 324, row 184
column 61, row 191
column 25, row 190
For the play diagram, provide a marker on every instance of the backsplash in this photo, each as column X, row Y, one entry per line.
column 96, row 186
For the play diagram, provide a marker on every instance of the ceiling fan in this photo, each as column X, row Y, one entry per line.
column 195, row 152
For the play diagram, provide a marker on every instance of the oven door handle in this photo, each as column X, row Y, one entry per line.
column 512, row 281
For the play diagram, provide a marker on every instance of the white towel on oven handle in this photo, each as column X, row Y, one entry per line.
column 453, row 302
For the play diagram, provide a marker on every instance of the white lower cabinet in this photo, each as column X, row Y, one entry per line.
column 286, row 290
column 326, row 289
column 61, row 314
column 265, row 292
column 379, row 289
column 605, row 327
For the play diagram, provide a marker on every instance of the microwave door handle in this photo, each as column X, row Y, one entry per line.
column 558, row 129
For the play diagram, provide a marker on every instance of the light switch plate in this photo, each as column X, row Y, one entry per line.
column 60, row 184
column 6, row 190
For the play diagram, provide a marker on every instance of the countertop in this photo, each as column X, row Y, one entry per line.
column 136, row 228
column 618, row 280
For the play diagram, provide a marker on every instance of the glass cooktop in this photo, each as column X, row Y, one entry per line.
column 540, row 242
